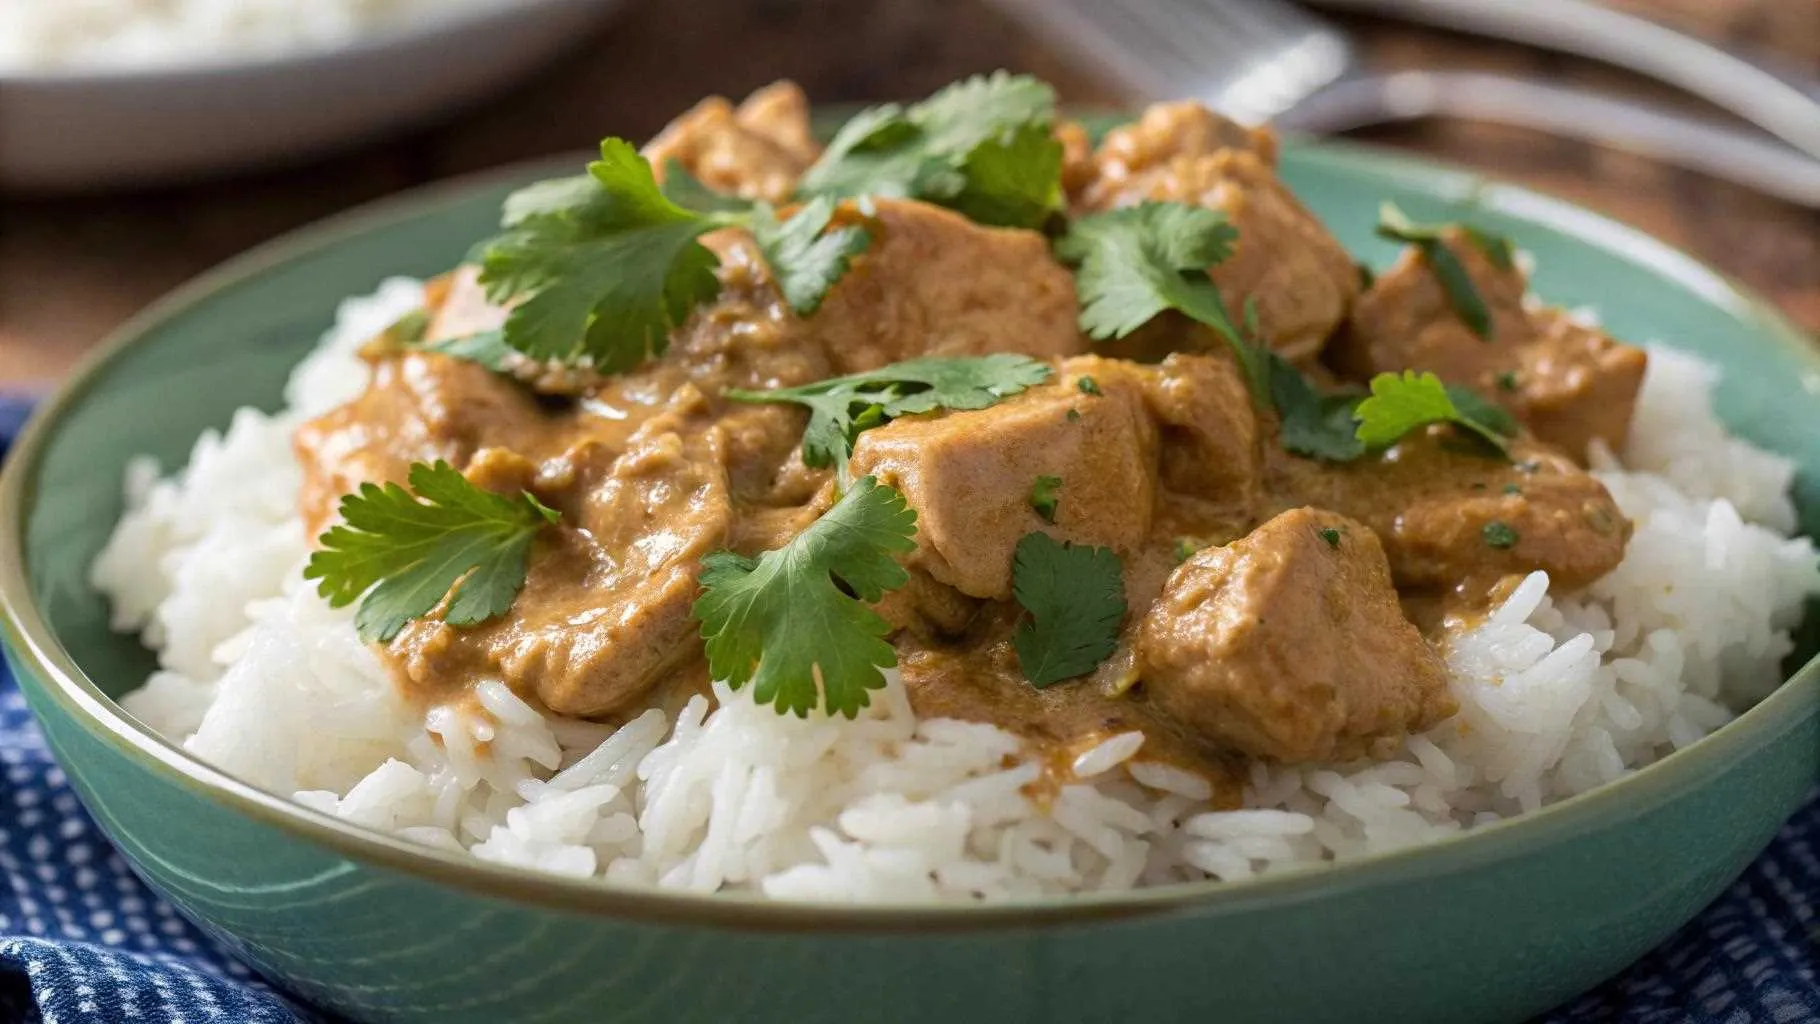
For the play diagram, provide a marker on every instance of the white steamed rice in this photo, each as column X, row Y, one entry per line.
column 1558, row 694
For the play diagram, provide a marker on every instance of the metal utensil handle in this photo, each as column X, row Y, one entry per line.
column 1732, row 154
column 1779, row 102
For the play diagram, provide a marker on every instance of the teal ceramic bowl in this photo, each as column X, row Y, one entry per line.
column 1494, row 925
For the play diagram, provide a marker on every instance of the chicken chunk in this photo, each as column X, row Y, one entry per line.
column 1137, row 158
column 1406, row 319
column 1449, row 515
column 1210, row 431
column 933, row 283
column 926, row 608
column 1574, row 385
column 1289, row 644
column 757, row 150
column 418, row 407
column 1286, row 263
column 969, row 475
column 1568, row 383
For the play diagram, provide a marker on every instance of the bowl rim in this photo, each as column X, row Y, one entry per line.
column 425, row 26
column 36, row 646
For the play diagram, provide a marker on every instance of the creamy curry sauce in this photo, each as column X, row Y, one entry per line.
column 1279, row 607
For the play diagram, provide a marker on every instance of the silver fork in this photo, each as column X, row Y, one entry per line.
column 1266, row 60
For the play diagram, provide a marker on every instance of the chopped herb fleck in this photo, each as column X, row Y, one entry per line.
column 1512, row 489
column 1367, row 276
column 1088, row 386
column 1331, row 536
column 1507, row 381
column 1074, row 415
column 1498, row 534
column 1185, row 547
column 1044, row 497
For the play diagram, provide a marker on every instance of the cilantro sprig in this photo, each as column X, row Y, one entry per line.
column 982, row 146
column 603, row 266
column 1314, row 425
column 1345, row 426
column 1402, row 403
column 794, row 623
column 841, row 408
column 403, row 553
column 1076, row 599
column 1137, row 262
column 1430, row 240
column 805, row 255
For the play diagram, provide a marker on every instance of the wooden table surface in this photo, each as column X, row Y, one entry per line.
column 72, row 268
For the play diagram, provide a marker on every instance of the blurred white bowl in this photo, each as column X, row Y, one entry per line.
column 88, row 129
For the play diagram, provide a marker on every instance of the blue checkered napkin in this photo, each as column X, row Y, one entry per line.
column 82, row 941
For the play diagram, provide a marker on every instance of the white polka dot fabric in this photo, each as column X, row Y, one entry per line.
column 82, row 941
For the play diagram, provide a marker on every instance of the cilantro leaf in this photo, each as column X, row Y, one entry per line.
column 963, row 114
column 550, row 197
column 1430, row 239
column 1045, row 496
column 488, row 348
column 604, row 269
column 797, row 617
column 806, row 258
column 982, row 146
column 687, row 191
column 1015, row 181
column 841, row 408
column 1314, row 425
column 409, row 552
column 405, row 331
column 1076, row 599
column 1137, row 262
column 879, row 152
column 1401, row 403
column 1482, row 411
column 603, row 266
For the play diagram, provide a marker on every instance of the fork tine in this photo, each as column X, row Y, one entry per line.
column 1180, row 39
column 1250, row 59
column 1125, row 36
